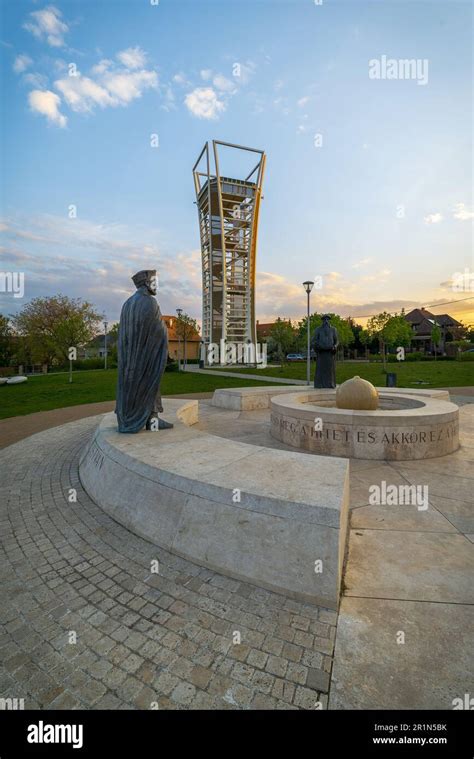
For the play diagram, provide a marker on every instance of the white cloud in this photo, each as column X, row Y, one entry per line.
column 223, row 84
column 204, row 103
column 47, row 103
column 112, row 87
column 21, row 63
column 60, row 65
column 462, row 213
column 102, row 66
column 168, row 94
column 82, row 93
column 132, row 58
column 209, row 101
column 38, row 81
column 47, row 24
column 380, row 277
column 181, row 79
column 95, row 261
column 433, row 218
column 108, row 86
column 362, row 262
column 126, row 86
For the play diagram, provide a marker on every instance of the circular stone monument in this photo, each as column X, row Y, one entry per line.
column 403, row 427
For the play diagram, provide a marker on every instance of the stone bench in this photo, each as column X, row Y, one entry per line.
column 252, row 398
column 261, row 515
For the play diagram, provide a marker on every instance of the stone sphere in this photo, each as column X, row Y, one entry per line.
column 357, row 394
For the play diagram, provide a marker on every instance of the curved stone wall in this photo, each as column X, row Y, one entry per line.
column 257, row 514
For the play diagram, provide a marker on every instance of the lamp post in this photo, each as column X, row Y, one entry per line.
column 106, row 324
column 308, row 286
column 179, row 311
column 184, row 345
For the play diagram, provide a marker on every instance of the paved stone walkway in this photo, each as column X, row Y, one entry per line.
column 262, row 377
column 408, row 571
column 69, row 572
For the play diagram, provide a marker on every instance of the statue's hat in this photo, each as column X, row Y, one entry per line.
column 144, row 276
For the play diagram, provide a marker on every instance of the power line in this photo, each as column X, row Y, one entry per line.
column 433, row 305
column 448, row 302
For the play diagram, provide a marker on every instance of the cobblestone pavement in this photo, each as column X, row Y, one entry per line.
column 143, row 640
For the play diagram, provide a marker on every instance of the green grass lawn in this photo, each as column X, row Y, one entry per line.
column 52, row 391
column 409, row 373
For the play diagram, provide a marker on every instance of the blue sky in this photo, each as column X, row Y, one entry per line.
column 380, row 205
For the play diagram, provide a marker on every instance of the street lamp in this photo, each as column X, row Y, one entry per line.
column 185, row 358
column 106, row 324
column 179, row 311
column 308, row 286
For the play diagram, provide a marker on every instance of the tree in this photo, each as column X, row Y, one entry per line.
column 50, row 326
column 281, row 339
column 365, row 339
column 6, row 343
column 113, row 343
column 435, row 337
column 389, row 331
column 186, row 327
column 113, row 331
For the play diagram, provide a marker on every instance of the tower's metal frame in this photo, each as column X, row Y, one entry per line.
column 228, row 221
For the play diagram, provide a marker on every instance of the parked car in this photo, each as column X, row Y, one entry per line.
column 295, row 357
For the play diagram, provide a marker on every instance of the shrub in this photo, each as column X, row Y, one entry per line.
column 84, row 364
column 88, row 363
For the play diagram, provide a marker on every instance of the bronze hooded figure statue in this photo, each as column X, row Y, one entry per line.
column 142, row 357
column 325, row 342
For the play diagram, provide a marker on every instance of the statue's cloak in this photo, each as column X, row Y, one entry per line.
column 142, row 356
column 325, row 341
